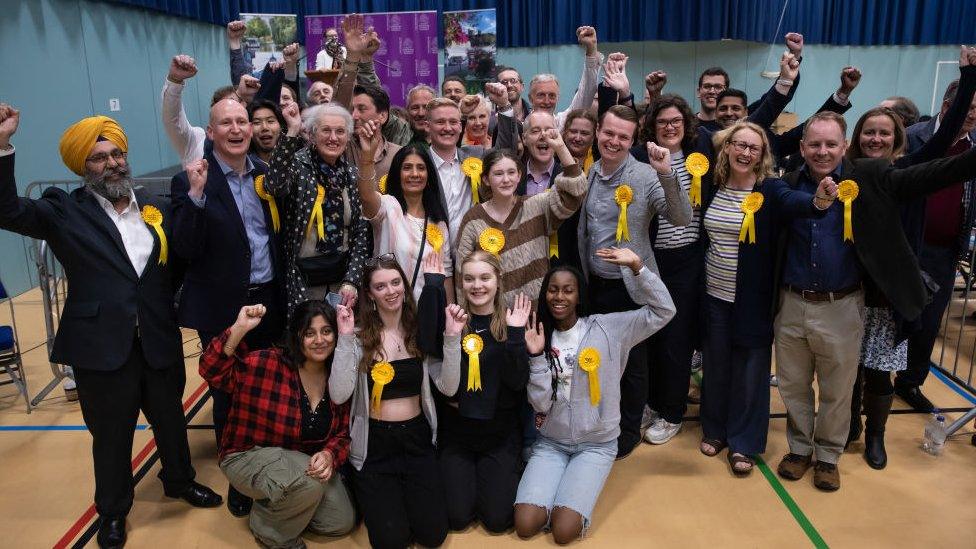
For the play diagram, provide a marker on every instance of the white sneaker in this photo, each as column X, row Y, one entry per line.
column 661, row 431
column 773, row 380
column 648, row 418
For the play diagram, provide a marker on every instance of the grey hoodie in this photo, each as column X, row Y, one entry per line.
column 348, row 380
column 575, row 420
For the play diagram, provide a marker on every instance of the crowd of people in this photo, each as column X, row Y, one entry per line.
column 466, row 310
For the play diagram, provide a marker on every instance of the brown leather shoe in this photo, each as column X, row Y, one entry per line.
column 793, row 466
column 826, row 476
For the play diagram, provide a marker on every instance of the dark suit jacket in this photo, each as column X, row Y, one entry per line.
column 214, row 243
column 106, row 298
column 886, row 259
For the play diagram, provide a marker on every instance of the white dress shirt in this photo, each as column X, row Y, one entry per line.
column 457, row 194
column 187, row 140
column 136, row 238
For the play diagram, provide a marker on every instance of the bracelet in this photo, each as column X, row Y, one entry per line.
column 785, row 82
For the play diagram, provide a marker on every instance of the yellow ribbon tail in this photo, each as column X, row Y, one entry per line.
column 554, row 245
column 694, row 193
column 474, row 372
column 622, row 232
column 376, row 397
column 475, row 181
column 748, row 228
column 316, row 221
column 163, row 245
column 275, row 218
column 848, row 226
column 594, row 388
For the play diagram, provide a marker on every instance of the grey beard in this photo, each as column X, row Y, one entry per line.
column 111, row 191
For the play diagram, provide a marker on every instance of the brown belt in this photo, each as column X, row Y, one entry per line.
column 816, row 296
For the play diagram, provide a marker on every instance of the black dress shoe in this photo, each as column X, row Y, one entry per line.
column 238, row 504
column 199, row 495
column 111, row 533
column 913, row 397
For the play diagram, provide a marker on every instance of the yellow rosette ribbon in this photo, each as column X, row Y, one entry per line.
column 154, row 218
column 589, row 362
column 272, row 205
column 554, row 245
column 847, row 191
column 623, row 196
column 473, row 345
column 435, row 237
column 697, row 166
column 492, row 240
column 317, row 219
column 749, row 207
column 382, row 373
column 472, row 168
column 381, row 185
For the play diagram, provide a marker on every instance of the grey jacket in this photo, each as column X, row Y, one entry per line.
column 346, row 379
column 651, row 197
column 576, row 421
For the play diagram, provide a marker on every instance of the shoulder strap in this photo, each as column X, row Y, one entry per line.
column 420, row 255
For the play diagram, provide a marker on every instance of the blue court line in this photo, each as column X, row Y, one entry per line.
column 54, row 427
column 952, row 385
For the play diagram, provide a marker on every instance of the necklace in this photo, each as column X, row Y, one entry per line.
column 397, row 339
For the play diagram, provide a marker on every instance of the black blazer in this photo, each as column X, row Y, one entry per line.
column 106, row 298
column 213, row 242
column 886, row 259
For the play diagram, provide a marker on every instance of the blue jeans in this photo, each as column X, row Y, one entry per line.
column 566, row 475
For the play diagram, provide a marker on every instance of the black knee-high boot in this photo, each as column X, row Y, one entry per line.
column 856, row 425
column 876, row 408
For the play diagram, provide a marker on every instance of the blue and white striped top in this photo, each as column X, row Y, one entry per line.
column 671, row 236
column 723, row 221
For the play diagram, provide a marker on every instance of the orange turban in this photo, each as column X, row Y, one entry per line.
column 79, row 139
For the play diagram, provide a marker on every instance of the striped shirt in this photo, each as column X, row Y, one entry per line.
column 723, row 221
column 671, row 236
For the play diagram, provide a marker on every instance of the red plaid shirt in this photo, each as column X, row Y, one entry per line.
column 266, row 405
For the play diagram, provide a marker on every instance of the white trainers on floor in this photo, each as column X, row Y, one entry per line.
column 648, row 418
column 661, row 431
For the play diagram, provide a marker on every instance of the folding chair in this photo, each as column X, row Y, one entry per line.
column 10, row 360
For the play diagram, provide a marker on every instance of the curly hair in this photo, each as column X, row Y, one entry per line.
column 668, row 100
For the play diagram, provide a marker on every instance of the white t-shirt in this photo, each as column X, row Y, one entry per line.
column 396, row 232
column 457, row 193
column 567, row 343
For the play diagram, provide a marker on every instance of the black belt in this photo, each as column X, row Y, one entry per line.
column 818, row 296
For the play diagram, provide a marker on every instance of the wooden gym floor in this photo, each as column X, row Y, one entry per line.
column 663, row 496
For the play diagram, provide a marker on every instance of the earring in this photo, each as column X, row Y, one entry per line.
column 373, row 301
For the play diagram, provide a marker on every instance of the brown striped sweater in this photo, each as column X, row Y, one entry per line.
column 525, row 257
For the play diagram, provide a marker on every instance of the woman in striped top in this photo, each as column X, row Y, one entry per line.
column 739, row 271
column 525, row 221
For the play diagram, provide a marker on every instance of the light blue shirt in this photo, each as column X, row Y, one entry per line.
column 252, row 212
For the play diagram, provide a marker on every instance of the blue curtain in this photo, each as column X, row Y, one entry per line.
column 534, row 23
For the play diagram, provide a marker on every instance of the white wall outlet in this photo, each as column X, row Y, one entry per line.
column 114, row 105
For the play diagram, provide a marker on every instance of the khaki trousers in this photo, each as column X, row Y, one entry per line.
column 822, row 339
column 286, row 500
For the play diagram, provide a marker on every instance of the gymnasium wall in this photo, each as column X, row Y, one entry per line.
column 64, row 59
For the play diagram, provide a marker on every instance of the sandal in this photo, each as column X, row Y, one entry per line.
column 716, row 446
column 739, row 459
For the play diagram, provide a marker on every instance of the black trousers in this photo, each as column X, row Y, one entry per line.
column 110, row 404
column 672, row 346
column 481, row 480
column 940, row 264
column 610, row 296
column 399, row 487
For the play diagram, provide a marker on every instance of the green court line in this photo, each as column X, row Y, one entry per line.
column 790, row 504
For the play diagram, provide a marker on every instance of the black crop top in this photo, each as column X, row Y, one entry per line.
column 408, row 375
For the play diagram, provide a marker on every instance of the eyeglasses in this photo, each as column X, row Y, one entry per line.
column 713, row 87
column 102, row 158
column 741, row 147
column 674, row 122
column 510, row 81
column 381, row 260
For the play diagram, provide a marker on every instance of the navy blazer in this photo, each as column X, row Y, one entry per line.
column 214, row 244
column 106, row 298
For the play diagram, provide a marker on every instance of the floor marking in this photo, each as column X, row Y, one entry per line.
column 791, row 505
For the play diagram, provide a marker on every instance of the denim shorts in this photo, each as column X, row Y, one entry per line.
column 566, row 475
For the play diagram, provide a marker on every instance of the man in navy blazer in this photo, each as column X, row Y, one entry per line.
column 226, row 232
column 118, row 329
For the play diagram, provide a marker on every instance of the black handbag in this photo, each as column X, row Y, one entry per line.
column 323, row 269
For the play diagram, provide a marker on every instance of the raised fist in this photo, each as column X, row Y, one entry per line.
column 850, row 77
column 794, row 41
column 587, row 38
column 235, row 31
column 196, row 172
column 181, row 68
column 9, row 120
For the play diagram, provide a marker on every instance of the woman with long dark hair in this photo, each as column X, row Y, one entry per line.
column 285, row 438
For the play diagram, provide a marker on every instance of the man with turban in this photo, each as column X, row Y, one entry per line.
column 118, row 330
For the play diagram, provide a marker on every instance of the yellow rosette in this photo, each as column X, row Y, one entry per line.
column 317, row 219
column 272, row 205
column 472, row 168
column 847, row 191
column 749, row 207
column 623, row 196
column 697, row 166
column 381, row 185
column 473, row 345
column 492, row 240
column 382, row 373
column 154, row 218
column 589, row 362
column 435, row 237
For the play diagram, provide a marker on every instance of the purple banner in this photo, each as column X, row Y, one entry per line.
column 407, row 56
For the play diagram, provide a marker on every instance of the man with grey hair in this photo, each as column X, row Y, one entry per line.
column 319, row 93
column 417, row 99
